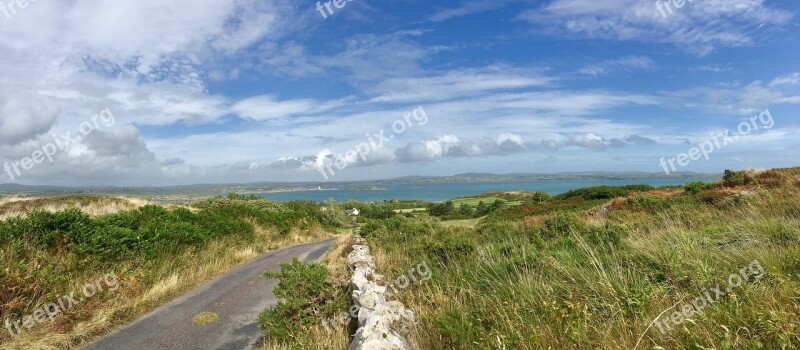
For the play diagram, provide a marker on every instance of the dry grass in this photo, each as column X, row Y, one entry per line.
column 573, row 294
column 92, row 205
column 130, row 301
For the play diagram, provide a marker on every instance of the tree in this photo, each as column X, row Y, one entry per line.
column 482, row 208
column 466, row 210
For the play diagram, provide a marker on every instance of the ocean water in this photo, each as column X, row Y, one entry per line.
column 436, row 192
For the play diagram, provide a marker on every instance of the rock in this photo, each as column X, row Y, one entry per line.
column 382, row 324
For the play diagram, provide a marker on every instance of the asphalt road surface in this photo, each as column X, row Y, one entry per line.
column 237, row 297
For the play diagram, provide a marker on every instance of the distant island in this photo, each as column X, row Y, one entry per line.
column 370, row 188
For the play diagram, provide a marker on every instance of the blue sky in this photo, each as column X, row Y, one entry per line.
column 264, row 90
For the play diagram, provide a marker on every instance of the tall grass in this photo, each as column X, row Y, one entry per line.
column 567, row 278
column 156, row 252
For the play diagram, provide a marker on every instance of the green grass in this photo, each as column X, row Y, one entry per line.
column 45, row 254
column 555, row 275
column 461, row 223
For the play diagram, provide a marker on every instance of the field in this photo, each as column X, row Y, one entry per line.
column 531, row 277
column 702, row 266
column 705, row 266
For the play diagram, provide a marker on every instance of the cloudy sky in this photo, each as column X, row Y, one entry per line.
column 206, row 91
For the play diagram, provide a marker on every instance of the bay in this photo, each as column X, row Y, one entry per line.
column 442, row 191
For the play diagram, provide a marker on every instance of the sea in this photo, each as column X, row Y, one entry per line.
column 437, row 192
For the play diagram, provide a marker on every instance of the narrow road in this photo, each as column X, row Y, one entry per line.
column 237, row 297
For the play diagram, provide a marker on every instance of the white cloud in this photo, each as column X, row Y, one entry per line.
column 627, row 63
column 737, row 98
column 588, row 140
column 699, row 26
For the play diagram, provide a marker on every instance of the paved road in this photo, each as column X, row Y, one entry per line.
column 237, row 297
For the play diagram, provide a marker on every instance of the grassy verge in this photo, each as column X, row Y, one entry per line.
column 585, row 271
column 155, row 253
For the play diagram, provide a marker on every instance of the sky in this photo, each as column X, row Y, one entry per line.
column 155, row 92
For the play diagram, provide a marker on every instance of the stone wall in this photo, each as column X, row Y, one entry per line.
column 383, row 325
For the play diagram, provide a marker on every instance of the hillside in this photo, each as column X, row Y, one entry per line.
column 705, row 266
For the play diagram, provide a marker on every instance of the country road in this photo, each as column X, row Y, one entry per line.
column 237, row 297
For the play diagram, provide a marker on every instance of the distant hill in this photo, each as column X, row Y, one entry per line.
column 255, row 187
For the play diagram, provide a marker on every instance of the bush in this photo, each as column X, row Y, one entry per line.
column 561, row 225
column 452, row 248
column 603, row 192
column 539, row 197
column 771, row 179
column 695, row 187
column 733, row 178
column 305, row 296
column 442, row 209
column 647, row 202
column 608, row 234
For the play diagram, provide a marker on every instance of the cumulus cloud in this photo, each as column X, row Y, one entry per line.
column 452, row 146
column 588, row 140
column 598, row 143
column 24, row 117
column 550, row 144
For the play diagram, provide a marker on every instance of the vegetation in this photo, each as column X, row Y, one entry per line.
column 603, row 192
column 155, row 251
column 305, row 297
column 594, row 267
column 590, row 268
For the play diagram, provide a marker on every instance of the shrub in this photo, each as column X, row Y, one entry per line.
column 604, row 192
column 607, row 234
column 539, row 197
column 647, row 202
column 304, row 296
column 770, row 178
column 442, row 209
column 452, row 248
column 695, row 187
column 560, row 225
column 733, row 178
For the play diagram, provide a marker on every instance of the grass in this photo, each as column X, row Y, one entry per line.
column 14, row 206
column 590, row 269
column 461, row 223
column 205, row 318
column 412, row 210
column 44, row 254
column 558, row 275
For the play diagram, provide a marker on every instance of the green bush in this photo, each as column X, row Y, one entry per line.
column 561, row 224
column 647, row 202
column 608, row 234
column 603, row 192
column 695, row 187
column 733, row 178
column 305, row 297
column 453, row 247
column 539, row 197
